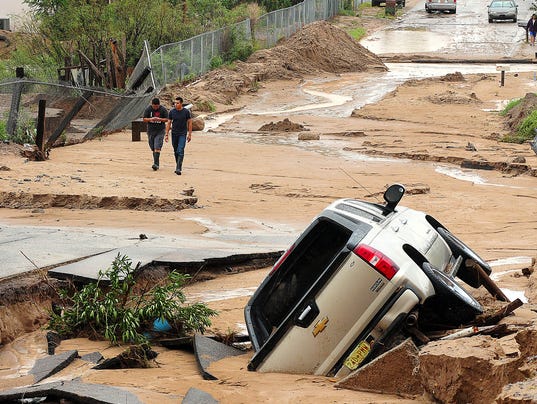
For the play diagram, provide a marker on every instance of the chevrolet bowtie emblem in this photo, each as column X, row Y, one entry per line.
column 320, row 326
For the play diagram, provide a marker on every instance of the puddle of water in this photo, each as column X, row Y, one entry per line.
column 515, row 294
column 520, row 260
column 214, row 121
column 359, row 89
column 333, row 100
column 405, row 41
column 212, row 296
column 460, row 175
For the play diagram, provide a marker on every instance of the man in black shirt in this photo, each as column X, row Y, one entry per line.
column 181, row 124
column 156, row 117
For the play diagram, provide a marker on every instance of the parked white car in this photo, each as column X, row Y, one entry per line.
column 358, row 276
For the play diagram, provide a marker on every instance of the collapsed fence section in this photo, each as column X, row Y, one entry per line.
column 72, row 114
column 173, row 63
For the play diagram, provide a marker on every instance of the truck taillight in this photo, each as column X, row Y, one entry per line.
column 377, row 260
column 282, row 259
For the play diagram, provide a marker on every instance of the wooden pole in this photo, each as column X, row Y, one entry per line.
column 490, row 285
column 39, row 137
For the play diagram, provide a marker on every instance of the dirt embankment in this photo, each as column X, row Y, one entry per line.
column 318, row 48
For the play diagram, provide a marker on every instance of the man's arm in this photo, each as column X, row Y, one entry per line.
column 189, row 127
column 168, row 125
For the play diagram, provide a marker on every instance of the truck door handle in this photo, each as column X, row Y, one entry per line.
column 307, row 315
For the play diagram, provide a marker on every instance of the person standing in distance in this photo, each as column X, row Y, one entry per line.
column 156, row 117
column 532, row 29
column 180, row 121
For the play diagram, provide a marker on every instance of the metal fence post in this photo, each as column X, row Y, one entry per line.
column 14, row 111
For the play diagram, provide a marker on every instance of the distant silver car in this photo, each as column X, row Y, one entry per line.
column 358, row 276
column 503, row 10
column 441, row 5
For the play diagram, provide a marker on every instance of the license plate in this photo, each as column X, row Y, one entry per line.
column 358, row 355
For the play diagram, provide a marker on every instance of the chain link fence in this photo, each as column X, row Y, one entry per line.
column 173, row 62
column 79, row 113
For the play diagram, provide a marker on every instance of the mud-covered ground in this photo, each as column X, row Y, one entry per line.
column 439, row 137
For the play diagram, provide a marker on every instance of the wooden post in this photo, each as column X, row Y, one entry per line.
column 67, row 119
column 39, row 137
column 490, row 285
column 117, row 66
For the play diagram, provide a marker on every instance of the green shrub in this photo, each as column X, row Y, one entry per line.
column 3, row 131
column 526, row 129
column 346, row 12
column 357, row 33
column 216, row 62
column 240, row 50
column 121, row 311
column 510, row 105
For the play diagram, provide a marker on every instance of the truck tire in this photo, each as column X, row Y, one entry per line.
column 448, row 288
column 466, row 272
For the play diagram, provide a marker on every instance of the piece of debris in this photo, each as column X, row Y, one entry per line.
column 188, row 191
column 529, row 270
column 518, row 160
column 282, row 126
column 470, row 147
column 356, row 133
column 53, row 341
column 183, row 343
column 136, row 356
column 457, row 76
column 142, row 236
column 198, row 124
column 489, row 319
column 195, row 396
column 5, row 168
column 309, row 136
column 208, row 351
column 466, row 332
column 72, row 391
column 46, row 367
column 533, row 144
column 93, row 357
column 521, row 392
column 450, row 370
column 393, row 372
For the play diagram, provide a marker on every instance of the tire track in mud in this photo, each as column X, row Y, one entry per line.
column 25, row 200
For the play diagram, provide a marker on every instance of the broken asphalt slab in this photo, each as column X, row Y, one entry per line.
column 71, row 390
column 195, row 396
column 208, row 351
column 47, row 366
column 88, row 269
column 26, row 248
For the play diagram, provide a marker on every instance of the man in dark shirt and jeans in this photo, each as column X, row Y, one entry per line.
column 180, row 121
column 156, row 117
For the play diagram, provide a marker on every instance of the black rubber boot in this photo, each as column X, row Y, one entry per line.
column 156, row 158
column 179, row 165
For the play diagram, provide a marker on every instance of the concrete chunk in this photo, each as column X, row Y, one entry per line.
column 195, row 396
column 72, row 390
column 46, row 367
column 208, row 351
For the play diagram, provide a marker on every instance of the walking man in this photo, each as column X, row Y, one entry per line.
column 180, row 121
column 156, row 117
